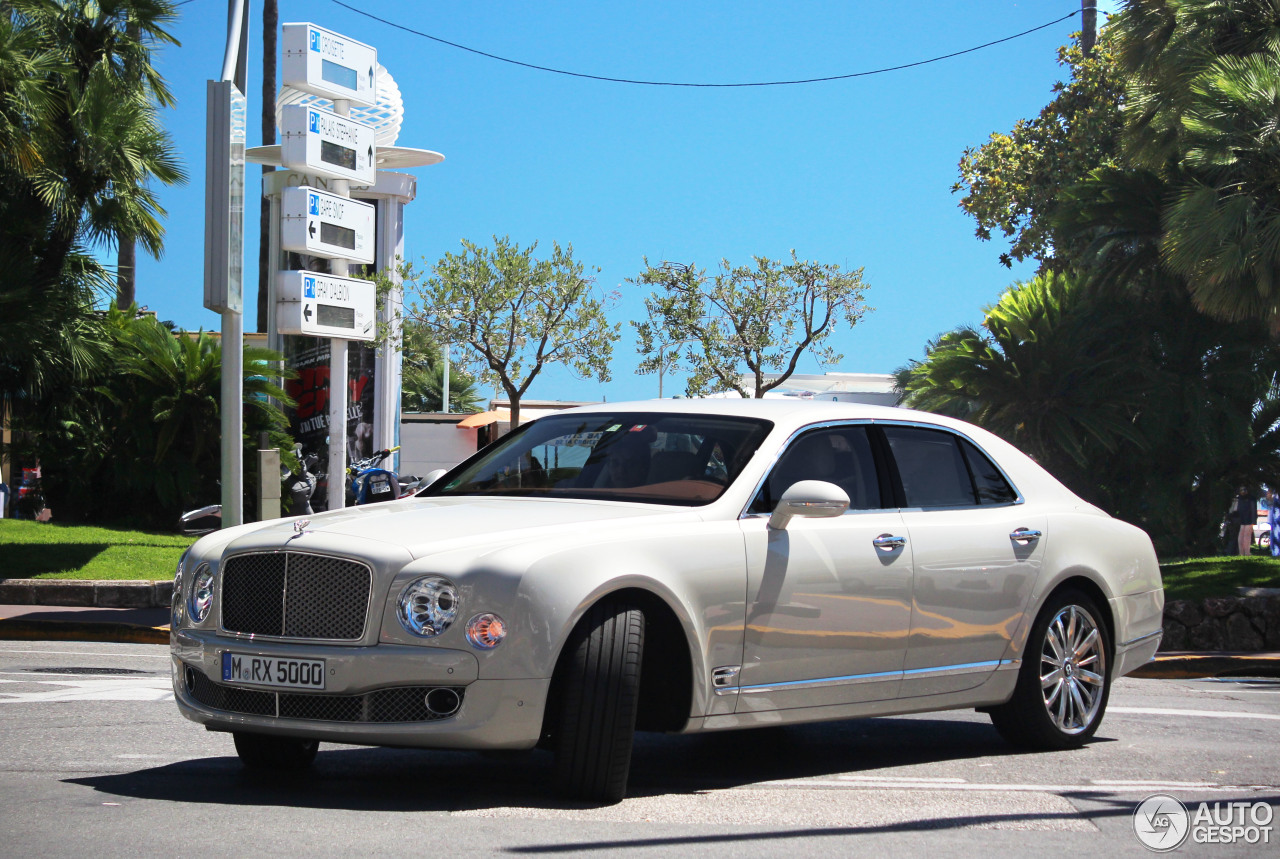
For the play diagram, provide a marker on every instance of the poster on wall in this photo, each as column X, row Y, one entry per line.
column 309, row 420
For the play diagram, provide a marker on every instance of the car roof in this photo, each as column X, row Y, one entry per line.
column 790, row 414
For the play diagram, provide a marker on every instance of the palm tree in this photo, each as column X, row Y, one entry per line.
column 1202, row 102
column 79, row 141
column 1044, row 372
column 422, row 386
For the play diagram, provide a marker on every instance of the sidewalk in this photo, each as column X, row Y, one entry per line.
column 84, row 623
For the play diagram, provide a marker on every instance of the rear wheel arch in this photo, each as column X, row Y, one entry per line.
column 1079, row 581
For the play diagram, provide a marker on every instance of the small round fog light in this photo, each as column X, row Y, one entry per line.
column 201, row 594
column 486, row 631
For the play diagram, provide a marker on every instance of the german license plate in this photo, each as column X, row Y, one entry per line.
column 277, row 671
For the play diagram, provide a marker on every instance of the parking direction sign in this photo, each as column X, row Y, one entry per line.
column 325, row 63
column 319, row 224
column 333, row 146
column 325, row 305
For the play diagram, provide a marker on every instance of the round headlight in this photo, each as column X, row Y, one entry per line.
column 486, row 631
column 427, row 606
column 201, row 594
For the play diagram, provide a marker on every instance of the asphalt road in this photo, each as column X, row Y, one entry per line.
column 95, row 760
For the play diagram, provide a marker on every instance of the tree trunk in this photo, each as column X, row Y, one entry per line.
column 270, row 21
column 126, row 272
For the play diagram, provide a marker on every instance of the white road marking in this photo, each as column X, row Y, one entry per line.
column 96, row 689
column 1207, row 714
column 1124, row 788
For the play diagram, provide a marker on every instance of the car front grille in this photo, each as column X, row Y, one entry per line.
column 394, row 704
column 295, row 595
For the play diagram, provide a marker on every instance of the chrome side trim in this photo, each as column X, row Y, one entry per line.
column 953, row 670
column 914, row 673
column 1139, row 640
column 848, row 680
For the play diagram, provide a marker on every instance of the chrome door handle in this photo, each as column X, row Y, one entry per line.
column 888, row 542
column 1024, row 535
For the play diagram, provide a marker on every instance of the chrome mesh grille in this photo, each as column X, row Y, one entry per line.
column 397, row 704
column 295, row 595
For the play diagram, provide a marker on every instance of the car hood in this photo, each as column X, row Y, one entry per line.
column 426, row 526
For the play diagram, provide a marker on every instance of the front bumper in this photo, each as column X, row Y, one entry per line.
column 494, row 714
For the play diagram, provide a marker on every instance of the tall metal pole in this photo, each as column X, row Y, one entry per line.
column 338, row 370
column 444, row 407
column 235, row 69
column 1088, row 25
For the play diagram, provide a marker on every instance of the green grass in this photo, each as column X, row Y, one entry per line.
column 37, row 550
column 1197, row 578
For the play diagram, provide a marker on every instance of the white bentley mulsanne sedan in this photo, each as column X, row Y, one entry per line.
column 682, row 566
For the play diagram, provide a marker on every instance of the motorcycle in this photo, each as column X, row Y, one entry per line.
column 301, row 487
column 370, row 483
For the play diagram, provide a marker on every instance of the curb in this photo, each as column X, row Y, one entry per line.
column 1190, row 665
column 61, row 630
column 92, row 593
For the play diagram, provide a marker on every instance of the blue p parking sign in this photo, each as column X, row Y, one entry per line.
column 308, row 287
column 313, row 204
column 313, row 40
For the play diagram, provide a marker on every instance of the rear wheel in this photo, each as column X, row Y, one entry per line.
column 599, row 697
column 278, row 754
column 1065, row 677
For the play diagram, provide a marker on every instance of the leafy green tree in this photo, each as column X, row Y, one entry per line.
column 1012, row 182
column 79, row 145
column 763, row 318
column 1138, row 403
column 513, row 313
column 141, row 442
column 1202, row 96
column 422, row 385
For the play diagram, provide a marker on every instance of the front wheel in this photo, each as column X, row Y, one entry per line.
column 598, row 700
column 278, row 754
column 1065, row 678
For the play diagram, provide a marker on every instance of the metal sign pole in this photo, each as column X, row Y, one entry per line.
column 338, row 370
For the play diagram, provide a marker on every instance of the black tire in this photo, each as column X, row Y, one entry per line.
column 1059, row 702
column 276, row 754
column 599, row 694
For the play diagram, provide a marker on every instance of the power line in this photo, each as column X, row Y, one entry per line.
column 705, row 85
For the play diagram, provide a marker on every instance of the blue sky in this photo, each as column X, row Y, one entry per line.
column 855, row 172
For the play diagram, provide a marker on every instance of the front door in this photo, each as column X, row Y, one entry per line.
column 828, row 610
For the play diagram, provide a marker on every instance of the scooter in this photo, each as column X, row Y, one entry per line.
column 371, row 484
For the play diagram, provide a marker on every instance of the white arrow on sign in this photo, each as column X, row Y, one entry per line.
column 325, row 305
column 325, row 225
column 325, row 63
column 318, row 141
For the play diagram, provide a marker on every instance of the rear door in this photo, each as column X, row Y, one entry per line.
column 977, row 549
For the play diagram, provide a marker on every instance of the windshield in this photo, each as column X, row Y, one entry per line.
column 653, row 457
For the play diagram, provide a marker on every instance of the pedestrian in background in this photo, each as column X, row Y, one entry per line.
column 1273, row 522
column 1245, row 514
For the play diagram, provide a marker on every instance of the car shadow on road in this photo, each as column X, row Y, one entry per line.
column 381, row 779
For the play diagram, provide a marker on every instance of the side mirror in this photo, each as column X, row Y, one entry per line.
column 432, row 477
column 813, row 499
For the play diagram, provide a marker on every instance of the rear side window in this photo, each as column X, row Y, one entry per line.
column 990, row 483
column 932, row 468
